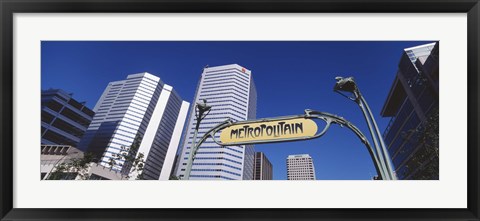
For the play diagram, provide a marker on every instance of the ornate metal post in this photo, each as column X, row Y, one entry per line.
column 201, row 111
column 349, row 85
column 309, row 114
column 330, row 118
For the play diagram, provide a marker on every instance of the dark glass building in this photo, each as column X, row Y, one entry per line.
column 262, row 169
column 64, row 120
column 412, row 103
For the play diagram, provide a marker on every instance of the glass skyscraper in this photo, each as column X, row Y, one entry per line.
column 412, row 104
column 141, row 107
column 231, row 92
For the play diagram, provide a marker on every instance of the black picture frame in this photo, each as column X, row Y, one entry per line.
column 9, row 7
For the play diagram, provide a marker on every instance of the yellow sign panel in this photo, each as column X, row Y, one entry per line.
column 272, row 130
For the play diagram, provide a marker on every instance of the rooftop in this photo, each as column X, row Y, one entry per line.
column 298, row 156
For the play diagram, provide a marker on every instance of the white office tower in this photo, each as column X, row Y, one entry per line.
column 141, row 106
column 300, row 167
column 231, row 93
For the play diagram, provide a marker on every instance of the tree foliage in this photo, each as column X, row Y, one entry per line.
column 128, row 160
column 76, row 168
column 424, row 163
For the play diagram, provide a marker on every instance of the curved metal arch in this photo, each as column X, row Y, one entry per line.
column 331, row 118
column 211, row 133
column 310, row 114
column 193, row 151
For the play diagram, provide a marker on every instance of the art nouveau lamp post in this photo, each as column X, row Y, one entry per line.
column 348, row 85
column 201, row 111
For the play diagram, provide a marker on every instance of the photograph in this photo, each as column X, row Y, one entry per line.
column 240, row 110
column 257, row 110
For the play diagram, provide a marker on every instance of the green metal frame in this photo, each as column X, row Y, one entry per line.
column 309, row 114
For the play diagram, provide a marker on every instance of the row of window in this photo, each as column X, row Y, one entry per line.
column 217, row 118
column 219, row 147
column 73, row 114
column 225, row 86
column 214, row 164
column 229, row 89
column 138, row 83
column 211, row 176
column 214, row 107
column 212, row 122
column 128, row 97
column 223, row 113
column 119, row 109
column 207, row 95
column 127, row 101
column 133, row 90
column 211, row 72
column 226, row 81
column 217, row 170
column 241, row 77
column 227, row 109
column 223, row 97
column 218, row 152
column 214, row 158
column 228, row 71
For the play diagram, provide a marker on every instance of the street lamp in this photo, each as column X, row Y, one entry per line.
column 201, row 111
column 381, row 154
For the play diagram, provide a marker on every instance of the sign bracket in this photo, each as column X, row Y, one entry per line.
column 309, row 114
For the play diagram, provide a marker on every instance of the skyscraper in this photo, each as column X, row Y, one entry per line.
column 263, row 168
column 412, row 103
column 140, row 108
column 230, row 90
column 300, row 167
column 64, row 119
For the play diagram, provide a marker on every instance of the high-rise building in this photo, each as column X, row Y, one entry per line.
column 230, row 90
column 263, row 168
column 412, row 103
column 300, row 167
column 140, row 108
column 64, row 120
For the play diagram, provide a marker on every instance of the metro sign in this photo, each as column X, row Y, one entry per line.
column 263, row 131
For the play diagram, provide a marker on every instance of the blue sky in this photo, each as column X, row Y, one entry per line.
column 290, row 76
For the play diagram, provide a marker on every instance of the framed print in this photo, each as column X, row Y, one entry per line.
column 239, row 110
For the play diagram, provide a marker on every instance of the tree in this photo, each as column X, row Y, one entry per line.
column 424, row 164
column 76, row 168
column 133, row 163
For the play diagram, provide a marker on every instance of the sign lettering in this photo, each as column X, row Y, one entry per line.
column 269, row 130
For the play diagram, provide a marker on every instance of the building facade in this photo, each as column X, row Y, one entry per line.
column 55, row 155
column 300, row 167
column 412, row 103
column 231, row 93
column 141, row 110
column 263, row 169
column 64, row 119
column 52, row 155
